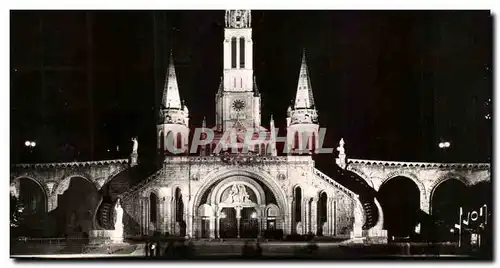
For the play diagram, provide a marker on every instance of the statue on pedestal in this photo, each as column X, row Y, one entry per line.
column 341, row 161
column 118, row 233
column 133, row 155
column 135, row 146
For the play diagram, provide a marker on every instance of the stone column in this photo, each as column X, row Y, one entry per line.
column 358, row 219
column 314, row 213
column 159, row 218
column 168, row 214
column 186, row 216
column 425, row 203
column 143, row 215
column 238, row 218
column 217, row 225
column 331, row 216
column 305, row 216
column 289, row 217
column 52, row 202
column 147, row 215
column 211, row 227
column 190, row 223
column 326, row 231
column 263, row 218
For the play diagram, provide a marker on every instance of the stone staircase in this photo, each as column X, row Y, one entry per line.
column 366, row 195
column 122, row 184
column 357, row 188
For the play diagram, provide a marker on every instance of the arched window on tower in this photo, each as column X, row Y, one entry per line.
column 296, row 141
column 161, row 142
column 263, row 149
column 179, row 141
column 169, row 138
column 313, row 142
column 233, row 52
column 308, row 141
column 242, row 52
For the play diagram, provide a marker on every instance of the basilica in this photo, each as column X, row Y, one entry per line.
column 241, row 184
column 244, row 189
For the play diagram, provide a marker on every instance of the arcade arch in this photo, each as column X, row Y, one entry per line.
column 400, row 200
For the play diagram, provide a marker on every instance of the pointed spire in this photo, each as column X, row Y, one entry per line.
column 204, row 123
column 171, row 98
column 221, row 85
column 255, row 88
column 304, row 97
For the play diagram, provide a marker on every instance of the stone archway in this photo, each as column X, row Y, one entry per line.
column 448, row 196
column 239, row 203
column 239, row 209
column 37, row 194
column 267, row 180
column 77, row 200
column 400, row 201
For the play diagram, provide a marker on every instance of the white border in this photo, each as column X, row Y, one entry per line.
column 211, row 4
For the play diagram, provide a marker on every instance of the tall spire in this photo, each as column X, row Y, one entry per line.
column 171, row 98
column 304, row 97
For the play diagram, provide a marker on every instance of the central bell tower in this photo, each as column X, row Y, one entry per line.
column 237, row 100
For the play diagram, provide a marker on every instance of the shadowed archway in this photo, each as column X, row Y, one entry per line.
column 447, row 198
column 400, row 201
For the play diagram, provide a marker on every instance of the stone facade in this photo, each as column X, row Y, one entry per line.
column 270, row 182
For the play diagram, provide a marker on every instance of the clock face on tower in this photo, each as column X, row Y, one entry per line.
column 238, row 105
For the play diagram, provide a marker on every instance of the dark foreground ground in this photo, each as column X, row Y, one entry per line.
column 244, row 249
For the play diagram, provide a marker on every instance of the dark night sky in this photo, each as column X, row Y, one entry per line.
column 391, row 83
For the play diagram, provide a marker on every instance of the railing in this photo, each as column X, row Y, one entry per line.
column 141, row 184
column 334, row 183
column 419, row 164
column 72, row 164
column 219, row 159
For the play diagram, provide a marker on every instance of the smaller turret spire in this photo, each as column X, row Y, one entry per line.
column 255, row 88
column 171, row 98
column 204, row 123
column 273, row 137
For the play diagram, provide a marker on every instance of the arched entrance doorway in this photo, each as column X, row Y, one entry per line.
column 322, row 211
column 242, row 208
column 400, row 201
column 447, row 198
